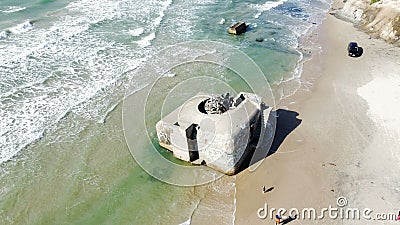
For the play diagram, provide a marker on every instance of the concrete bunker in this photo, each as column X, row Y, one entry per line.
column 214, row 130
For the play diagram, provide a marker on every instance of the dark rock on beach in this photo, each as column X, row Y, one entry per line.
column 259, row 39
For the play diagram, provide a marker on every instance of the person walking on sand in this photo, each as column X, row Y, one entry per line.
column 265, row 190
column 398, row 217
column 278, row 219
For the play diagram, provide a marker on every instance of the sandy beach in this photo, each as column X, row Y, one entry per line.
column 344, row 140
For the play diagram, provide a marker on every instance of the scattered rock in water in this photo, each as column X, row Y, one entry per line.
column 238, row 28
column 259, row 39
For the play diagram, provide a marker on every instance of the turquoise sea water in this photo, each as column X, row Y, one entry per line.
column 64, row 69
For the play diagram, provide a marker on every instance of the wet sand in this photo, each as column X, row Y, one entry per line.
column 345, row 143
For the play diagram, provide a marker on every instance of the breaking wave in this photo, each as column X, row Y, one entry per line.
column 146, row 41
column 136, row 32
column 18, row 29
column 68, row 68
column 12, row 9
column 266, row 7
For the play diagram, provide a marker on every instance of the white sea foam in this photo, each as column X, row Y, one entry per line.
column 66, row 69
column 12, row 9
column 165, row 5
column 19, row 28
column 222, row 21
column 136, row 32
column 266, row 7
column 23, row 27
column 4, row 34
column 180, row 23
column 146, row 41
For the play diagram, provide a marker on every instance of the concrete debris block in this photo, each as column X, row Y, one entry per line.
column 238, row 28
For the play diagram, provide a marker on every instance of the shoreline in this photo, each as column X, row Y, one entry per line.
column 308, row 46
column 323, row 158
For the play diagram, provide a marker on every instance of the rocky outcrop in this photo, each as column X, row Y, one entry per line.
column 380, row 19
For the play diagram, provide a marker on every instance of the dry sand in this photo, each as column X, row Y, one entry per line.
column 347, row 143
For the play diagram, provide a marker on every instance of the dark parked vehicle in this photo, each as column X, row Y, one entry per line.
column 354, row 50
